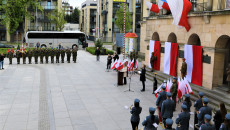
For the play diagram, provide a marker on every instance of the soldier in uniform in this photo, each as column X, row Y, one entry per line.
column 36, row 53
column 10, row 55
column 74, row 51
column 30, row 54
column 47, row 53
column 68, row 53
column 183, row 69
column 58, row 52
column 203, row 110
column 226, row 124
column 24, row 55
column 152, row 60
column 18, row 56
column 167, row 108
column 198, row 104
column 135, row 111
column 41, row 52
column 173, row 90
column 52, row 54
column 62, row 55
column 183, row 118
column 187, row 102
column 207, row 125
column 169, row 123
column 160, row 99
column 151, row 120
column 155, row 83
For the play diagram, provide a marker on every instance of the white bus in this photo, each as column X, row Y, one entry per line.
column 51, row 39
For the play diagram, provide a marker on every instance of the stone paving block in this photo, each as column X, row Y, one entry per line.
column 62, row 122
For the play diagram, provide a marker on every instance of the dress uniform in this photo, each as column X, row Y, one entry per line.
column 30, row 54
column 58, row 52
column 167, row 108
column 173, row 90
column 204, row 110
column 169, row 123
column 198, row 104
column 223, row 125
column 151, row 120
column 183, row 118
column 207, row 125
column 68, row 53
column 52, row 54
column 62, row 55
column 75, row 54
column 47, row 53
column 41, row 53
column 36, row 53
column 10, row 55
column 135, row 111
column 18, row 56
column 188, row 104
column 24, row 55
column 160, row 99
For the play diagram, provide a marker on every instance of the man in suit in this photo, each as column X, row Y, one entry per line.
column 167, row 108
column 183, row 118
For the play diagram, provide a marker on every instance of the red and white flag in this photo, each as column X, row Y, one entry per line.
column 131, row 64
column 118, row 64
column 121, row 66
column 193, row 56
column 187, row 85
column 114, row 64
column 180, row 10
column 155, row 46
column 158, row 90
column 169, row 85
column 136, row 64
column 170, row 58
column 156, row 8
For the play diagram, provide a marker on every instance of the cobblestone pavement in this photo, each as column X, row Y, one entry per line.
column 69, row 96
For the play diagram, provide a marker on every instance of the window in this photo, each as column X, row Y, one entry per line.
column 48, row 5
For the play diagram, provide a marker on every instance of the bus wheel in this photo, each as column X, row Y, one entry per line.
column 43, row 45
column 74, row 45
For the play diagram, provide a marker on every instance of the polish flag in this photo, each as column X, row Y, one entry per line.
column 188, row 87
column 131, row 65
column 136, row 64
column 170, row 58
column 180, row 89
column 162, row 4
column 169, row 85
column 193, row 55
column 118, row 64
column 156, row 8
column 121, row 66
column 180, row 9
column 158, row 90
column 155, row 46
column 114, row 64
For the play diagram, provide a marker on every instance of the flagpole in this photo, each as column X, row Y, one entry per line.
column 124, row 32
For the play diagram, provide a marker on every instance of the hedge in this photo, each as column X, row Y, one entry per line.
column 92, row 50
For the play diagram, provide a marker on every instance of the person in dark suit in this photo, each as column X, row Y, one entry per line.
column 97, row 53
column 2, row 60
column 204, row 110
column 142, row 77
column 167, row 108
column 183, row 118
column 109, row 62
column 151, row 120
column 207, row 125
column 161, row 97
column 198, row 104
column 226, row 124
column 135, row 111
column 115, row 56
column 155, row 83
column 220, row 116
column 187, row 102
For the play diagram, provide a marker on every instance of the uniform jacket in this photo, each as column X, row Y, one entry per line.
column 188, row 105
column 135, row 111
column 183, row 119
column 173, row 90
column 142, row 75
column 198, row 104
column 223, row 127
column 207, row 126
column 167, row 108
column 161, row 98
column 148, row 123
column 203, row 110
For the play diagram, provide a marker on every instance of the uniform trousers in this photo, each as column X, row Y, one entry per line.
column 135, row 125
column 195, row 120
column 125, row 82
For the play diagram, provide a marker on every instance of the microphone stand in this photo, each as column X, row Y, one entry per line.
column 130, row 83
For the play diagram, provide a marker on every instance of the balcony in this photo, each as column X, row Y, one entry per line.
column 49, row 8
column 44, row 19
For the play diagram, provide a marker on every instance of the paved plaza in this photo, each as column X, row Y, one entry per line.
column 69, row 96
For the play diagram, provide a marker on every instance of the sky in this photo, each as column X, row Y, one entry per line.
column 76, row 3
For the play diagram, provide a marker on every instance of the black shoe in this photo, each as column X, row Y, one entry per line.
column 3, row 68
column 142, row 90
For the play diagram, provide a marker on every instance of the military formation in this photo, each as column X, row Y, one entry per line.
column 43, row 53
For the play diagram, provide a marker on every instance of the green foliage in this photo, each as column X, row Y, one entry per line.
column 120, row 18
column 58, row 17
column 15, row 11
column 98, row 43
column 92, row 50
column 75, row 16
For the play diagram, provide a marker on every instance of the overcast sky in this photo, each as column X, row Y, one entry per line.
column 76, row 3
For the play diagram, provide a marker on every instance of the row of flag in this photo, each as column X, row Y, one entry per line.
column 118, row 65
column 183, row 87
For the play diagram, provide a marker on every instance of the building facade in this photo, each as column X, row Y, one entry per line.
column 210, row 24
column 68, row 9
column 88, row 17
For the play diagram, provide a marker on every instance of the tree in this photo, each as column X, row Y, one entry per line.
column 75, row 16
column 120, row 18
column 58, row 17
column 14, row 12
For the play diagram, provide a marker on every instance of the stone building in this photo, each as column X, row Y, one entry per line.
column 210, row 25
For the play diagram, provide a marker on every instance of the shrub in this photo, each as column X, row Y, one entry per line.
column 98, row 43
column 91, row 50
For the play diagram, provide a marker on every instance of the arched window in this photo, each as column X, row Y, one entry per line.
column 155, row 36
column 172, row 38
column 194, row 39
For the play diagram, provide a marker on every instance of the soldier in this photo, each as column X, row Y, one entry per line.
column 187, row 101
column 152, row 60
column 74, row 51
column 198, row 104
column 68, row 53
column 135, row 111
column 203, row 110
column 10, row 56
column 207, row 125
column 52, row 54
column 36, row 53
column 167, row 108
column 183, row 118
column 47, row 53
column 151, row 121
column 173, row 90
column 30, row 54
column 183, row 69
column 24, row 55
column 62, row 55
column 169, row 123
column 18, row 55
column 41, row 53
column 155, row 83
column 58, row 52
column 226, row 124
column 160, row 99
